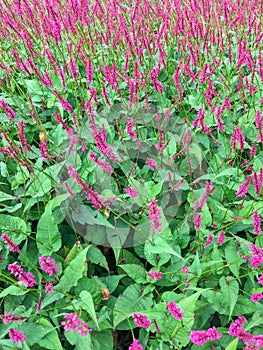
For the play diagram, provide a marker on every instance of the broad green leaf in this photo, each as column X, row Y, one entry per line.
column 229, row 287
column 48, row 235
column 72, row 274
column 15, row 227
column 136, row 272
column 13, row 290
column 232, row 345
column 103, row 340
column 232, row 258
column 80, row 342
column 51, row 339
column 132, row 300
column 95, row 256
column 86, row 303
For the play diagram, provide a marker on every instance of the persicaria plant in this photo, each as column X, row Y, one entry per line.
column 131, row 174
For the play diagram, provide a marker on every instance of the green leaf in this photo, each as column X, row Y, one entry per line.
column 48, row 235
column 51, row 339
column 95, row 256
column 132, row 300
column 15, row 227
column 232, row 345
column 160, row 250
column 72, row 274
column 13, row 290
column 87, row 304
column 103, row 340
column 80, row 342
column 229, row 287
column 136, row 272
column 232, row 258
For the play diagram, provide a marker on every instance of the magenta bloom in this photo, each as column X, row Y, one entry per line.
column 131, row 191
column 26, row 277
column 198, row 221
column 202, row 337
column 48, row 265
column 141, row 320
column 72, row 321
column 16, row 336
column 257, row 255
column 154, row 274
column 135, row 345
column 154, row 215
column 151, row 163
column 260, row 279
column 256, row 223
column 84, row 329
column 221, row 238
column 185, row 270
column 243, row 188
column 256, row 297
column 209, row 241
column 49, row 288
column 11, row 245
column 175, row 311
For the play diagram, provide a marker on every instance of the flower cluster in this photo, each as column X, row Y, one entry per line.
column 175, row 311
column 202, row 337
column 73, row 321
column 16, row 336
column 48, row 265
column 135, row 345
column 154, row 274
column 141, row 320
column 257, row 255
column 11, row 245
column 26, row 277
column 256, row 223
column 132, row 191
column 154, row 215
column 256, row 297
column 236, row 330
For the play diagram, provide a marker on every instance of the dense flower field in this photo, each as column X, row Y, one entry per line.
column 131, row 173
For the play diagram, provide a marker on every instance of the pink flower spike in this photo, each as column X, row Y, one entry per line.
column 256, row 223
column 154, row 214
column 132, row 191
column 185, row 270
column 151, row 163
column 141, row 320
column 175, row 311
column 11, row 245
column 256, row 297
column 209, row 241
column 260, row 279
column 154, row 274
column 16, row 336
column 49, row 288
column 48, row 265
column 221, row 238
column 84, row 329
column 72, row 321
column 135, row 345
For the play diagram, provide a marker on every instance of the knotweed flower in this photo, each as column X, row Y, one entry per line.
column 237, row 137
column 84, row 329
column 10, row 317
column 16, row 336
column 135, row 345
column 257, row 258
column 132, row 191
column 243, row 188
column 141, row 320
column 11, row 245
column 260, row 279
column 202, row 337
column 48, row 265
column 151, row 163
column 154, row 274
column 49, row 288
column 197, row 221
column 26, row 277
column 175, row 311
column 256, row 297
column 129, row 128
column 154, row 215
column 185, row 270
column 256, row 223
column 209, row 241
column 72, row 321
column 221, row 238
